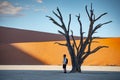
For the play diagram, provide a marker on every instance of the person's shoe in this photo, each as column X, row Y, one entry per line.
column 65, row 72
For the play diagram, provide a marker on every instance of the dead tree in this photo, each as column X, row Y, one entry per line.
column 79, row 52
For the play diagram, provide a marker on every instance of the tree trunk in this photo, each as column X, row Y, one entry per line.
column 75, row 66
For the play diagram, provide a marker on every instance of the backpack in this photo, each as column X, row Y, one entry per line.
column 66, row 61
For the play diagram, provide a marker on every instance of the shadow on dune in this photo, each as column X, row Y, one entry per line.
column 10, row 55
column 12, row 35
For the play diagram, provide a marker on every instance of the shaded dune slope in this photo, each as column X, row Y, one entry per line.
column 9, row 55
column 12, row 35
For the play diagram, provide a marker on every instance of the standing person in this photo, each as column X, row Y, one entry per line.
column 65, row 61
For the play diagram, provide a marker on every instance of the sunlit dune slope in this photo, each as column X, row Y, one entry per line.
column 106, row 56
column 51, row 53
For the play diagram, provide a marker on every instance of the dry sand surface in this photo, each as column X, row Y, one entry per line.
column 44, row 72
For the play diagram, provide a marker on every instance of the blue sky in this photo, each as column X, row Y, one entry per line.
column 31, row 15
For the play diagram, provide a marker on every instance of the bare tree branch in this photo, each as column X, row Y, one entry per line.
column 95, row 41
column 88, row 39
column 55, row 22
column 99, row 26
column 84, row 57
column 69, row 23
column 100, row 16
column 89, row 44
column 95, row 38
column 86, row 54
column 106, row 22
column 59, row 13
column 73, row 47
column 56, row 15
column 91, row 6
column 81, row 32
column 87, row 12
column 98, row 48
column 61, row 18
column 92, row 13
column 74, row 41
column 61, row 33
column 60, row 44
column 94, row 17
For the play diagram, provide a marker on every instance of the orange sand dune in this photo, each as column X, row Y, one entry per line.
column 106, row 56
column 51, row 53
column 30, row 47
